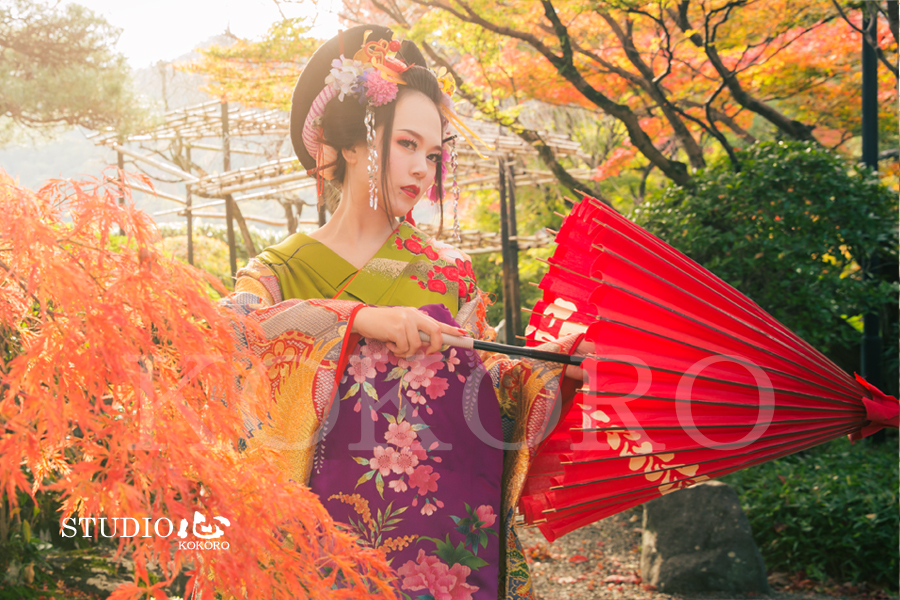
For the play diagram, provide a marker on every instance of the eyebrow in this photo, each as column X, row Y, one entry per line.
column 416, row 134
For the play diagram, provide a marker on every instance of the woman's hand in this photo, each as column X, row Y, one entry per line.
column 399, row 327
column 584, row 348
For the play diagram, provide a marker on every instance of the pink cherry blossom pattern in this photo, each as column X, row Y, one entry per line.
column 383, row 460
column 401, row 362
column 361, row 368
column 452, row 360
column 400, row 434
column 398, row 485
column 422, row 369
column 378, row 353
column 416, row 398
column 437, row 387
column 424, row 478
column 404, row 461
column 419, row 450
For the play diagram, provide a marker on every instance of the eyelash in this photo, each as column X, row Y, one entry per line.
column 434, row 158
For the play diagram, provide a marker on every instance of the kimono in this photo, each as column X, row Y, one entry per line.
column 424, row 458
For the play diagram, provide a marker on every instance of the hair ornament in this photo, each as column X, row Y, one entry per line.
column 372, row 74
column 326, row 164
column 448, row 87
column 344, row 77
column 372, row 77
column 454, row 188
column 379, row 91
column 372, row 165
column 377, row 54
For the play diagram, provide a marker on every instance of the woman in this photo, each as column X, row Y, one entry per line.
column 402, row 441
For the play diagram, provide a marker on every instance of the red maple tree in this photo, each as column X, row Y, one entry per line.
column 117, row 393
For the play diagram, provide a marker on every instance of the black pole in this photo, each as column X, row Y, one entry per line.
column 515, row 299
column 869, row 97
column 870, row 358
column 509, row 333
column 229, row 202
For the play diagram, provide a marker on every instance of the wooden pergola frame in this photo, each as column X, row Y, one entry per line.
column 498, row 167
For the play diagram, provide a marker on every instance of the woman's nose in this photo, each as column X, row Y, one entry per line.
column 420, row 166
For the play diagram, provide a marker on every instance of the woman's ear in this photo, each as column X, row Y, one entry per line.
column 355, row 153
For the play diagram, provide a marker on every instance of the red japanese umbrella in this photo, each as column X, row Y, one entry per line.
column 690, row 379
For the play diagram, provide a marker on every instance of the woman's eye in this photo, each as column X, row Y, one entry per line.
column 435, row 158
column 410, row 144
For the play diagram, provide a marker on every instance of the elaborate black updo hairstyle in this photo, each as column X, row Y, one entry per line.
column 343, row 123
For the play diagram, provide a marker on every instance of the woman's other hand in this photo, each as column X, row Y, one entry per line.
column 584, row 348
column 399, row 327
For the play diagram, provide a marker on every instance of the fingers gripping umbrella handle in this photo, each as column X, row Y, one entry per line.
column 473, row 344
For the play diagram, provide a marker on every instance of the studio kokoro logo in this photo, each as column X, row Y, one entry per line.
column 207, row 533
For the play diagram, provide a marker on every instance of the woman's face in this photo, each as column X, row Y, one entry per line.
column 415, row 153
column 415, row 150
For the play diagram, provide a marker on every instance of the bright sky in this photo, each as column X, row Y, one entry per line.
column 166, row 29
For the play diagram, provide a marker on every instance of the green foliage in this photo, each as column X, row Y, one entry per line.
column 210, row 255
column 830, row 511
column 791, row 230
column 536, row 208
column 211, row 248
column 57, row 67
column 459, row 554
column 258, row 73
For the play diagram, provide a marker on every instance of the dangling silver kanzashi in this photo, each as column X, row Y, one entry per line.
column 373, row 156
column 454, row 189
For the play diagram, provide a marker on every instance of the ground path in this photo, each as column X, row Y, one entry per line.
column 603, row 561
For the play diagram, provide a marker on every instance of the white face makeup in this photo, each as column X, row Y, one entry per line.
column 415, row 154
column 415, row 151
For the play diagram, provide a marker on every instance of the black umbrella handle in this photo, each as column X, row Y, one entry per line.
column 529, row 352
column 470, row 343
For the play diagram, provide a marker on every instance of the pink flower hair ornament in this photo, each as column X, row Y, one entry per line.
column 372, row 76
column 379, row 91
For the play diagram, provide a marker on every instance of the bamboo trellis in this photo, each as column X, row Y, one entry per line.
column 496, row 167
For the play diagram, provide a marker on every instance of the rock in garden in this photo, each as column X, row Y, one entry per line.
column 699, row 540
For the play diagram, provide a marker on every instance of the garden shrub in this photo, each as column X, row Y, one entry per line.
column 830, row 511
column 210, row 254
column 211, row 246
column 791, row 230
column 262, row 238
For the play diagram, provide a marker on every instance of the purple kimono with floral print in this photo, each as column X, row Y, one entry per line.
column 411, row 459
column 425, row 459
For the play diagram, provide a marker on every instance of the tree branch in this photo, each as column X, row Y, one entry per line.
column 674, row 170
column 714, row 131
column 653, row 88
column 724, row 118
column 533, row 138
column 870, row 38
column 791, row 127
column 396, row 15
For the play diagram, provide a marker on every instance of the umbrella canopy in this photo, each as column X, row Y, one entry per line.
column 690, row 379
